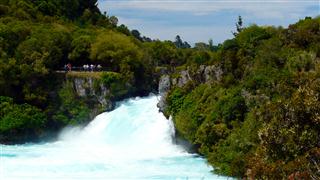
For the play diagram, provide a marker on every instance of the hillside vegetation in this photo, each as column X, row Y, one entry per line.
column 262, row 120
column 39, row 37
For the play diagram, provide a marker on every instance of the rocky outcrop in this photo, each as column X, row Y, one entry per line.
column 164, row 84
column 164, row 87
column 182, row 79
column 204, row 74
column 94, row 92
column 211, row 73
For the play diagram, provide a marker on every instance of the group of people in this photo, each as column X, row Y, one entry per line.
column 92, row 67
column 86, row 67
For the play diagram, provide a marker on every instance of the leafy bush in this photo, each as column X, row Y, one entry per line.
column 229, row 155
column 262, row 120
column 72, row 110
column 117, row 84
column 111, row 48
column 20, row 120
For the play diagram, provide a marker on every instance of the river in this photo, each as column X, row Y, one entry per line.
column 134, row 141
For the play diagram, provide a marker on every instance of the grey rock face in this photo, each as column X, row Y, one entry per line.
column 78, row 84
column 162, row 103
column 213, row 73
column 164, row 84
column 164, row 87
column 205, row 74
column 85, row 88
column 184, row 78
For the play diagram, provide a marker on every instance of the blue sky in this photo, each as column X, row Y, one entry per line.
column 200, row 20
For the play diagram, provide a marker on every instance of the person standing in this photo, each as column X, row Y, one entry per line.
column 91, row 67
column 69, row 66
column 65, row 67
column 99, row 67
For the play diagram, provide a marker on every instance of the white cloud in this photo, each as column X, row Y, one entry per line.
column 275, row 12
column 263, row 9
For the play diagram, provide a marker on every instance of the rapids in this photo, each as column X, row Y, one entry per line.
column 134, row 141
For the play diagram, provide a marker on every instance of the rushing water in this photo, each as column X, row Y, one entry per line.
column 132, row 142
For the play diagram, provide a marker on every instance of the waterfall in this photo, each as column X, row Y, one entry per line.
column 134, row 141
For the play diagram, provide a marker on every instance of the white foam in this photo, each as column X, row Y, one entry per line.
column 132, row 142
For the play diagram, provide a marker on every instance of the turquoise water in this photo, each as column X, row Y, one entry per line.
column 134, row 141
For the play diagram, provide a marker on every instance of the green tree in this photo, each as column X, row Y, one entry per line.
column 81, row 47
column 21, row 121
column 111, row 48
column 239, row 26
column 136, row 34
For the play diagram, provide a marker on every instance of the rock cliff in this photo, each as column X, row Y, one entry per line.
column 91, row 87
column 95, row 93
column 202, row 74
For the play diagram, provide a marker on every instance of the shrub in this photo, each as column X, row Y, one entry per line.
column 21, row 119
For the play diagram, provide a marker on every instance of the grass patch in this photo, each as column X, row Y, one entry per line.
column 74, row 74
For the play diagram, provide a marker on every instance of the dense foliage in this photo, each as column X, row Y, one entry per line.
column 37, row 38
column 262, row 119
column 19, row 120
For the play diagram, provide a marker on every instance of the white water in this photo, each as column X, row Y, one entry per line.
column 132, row 142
